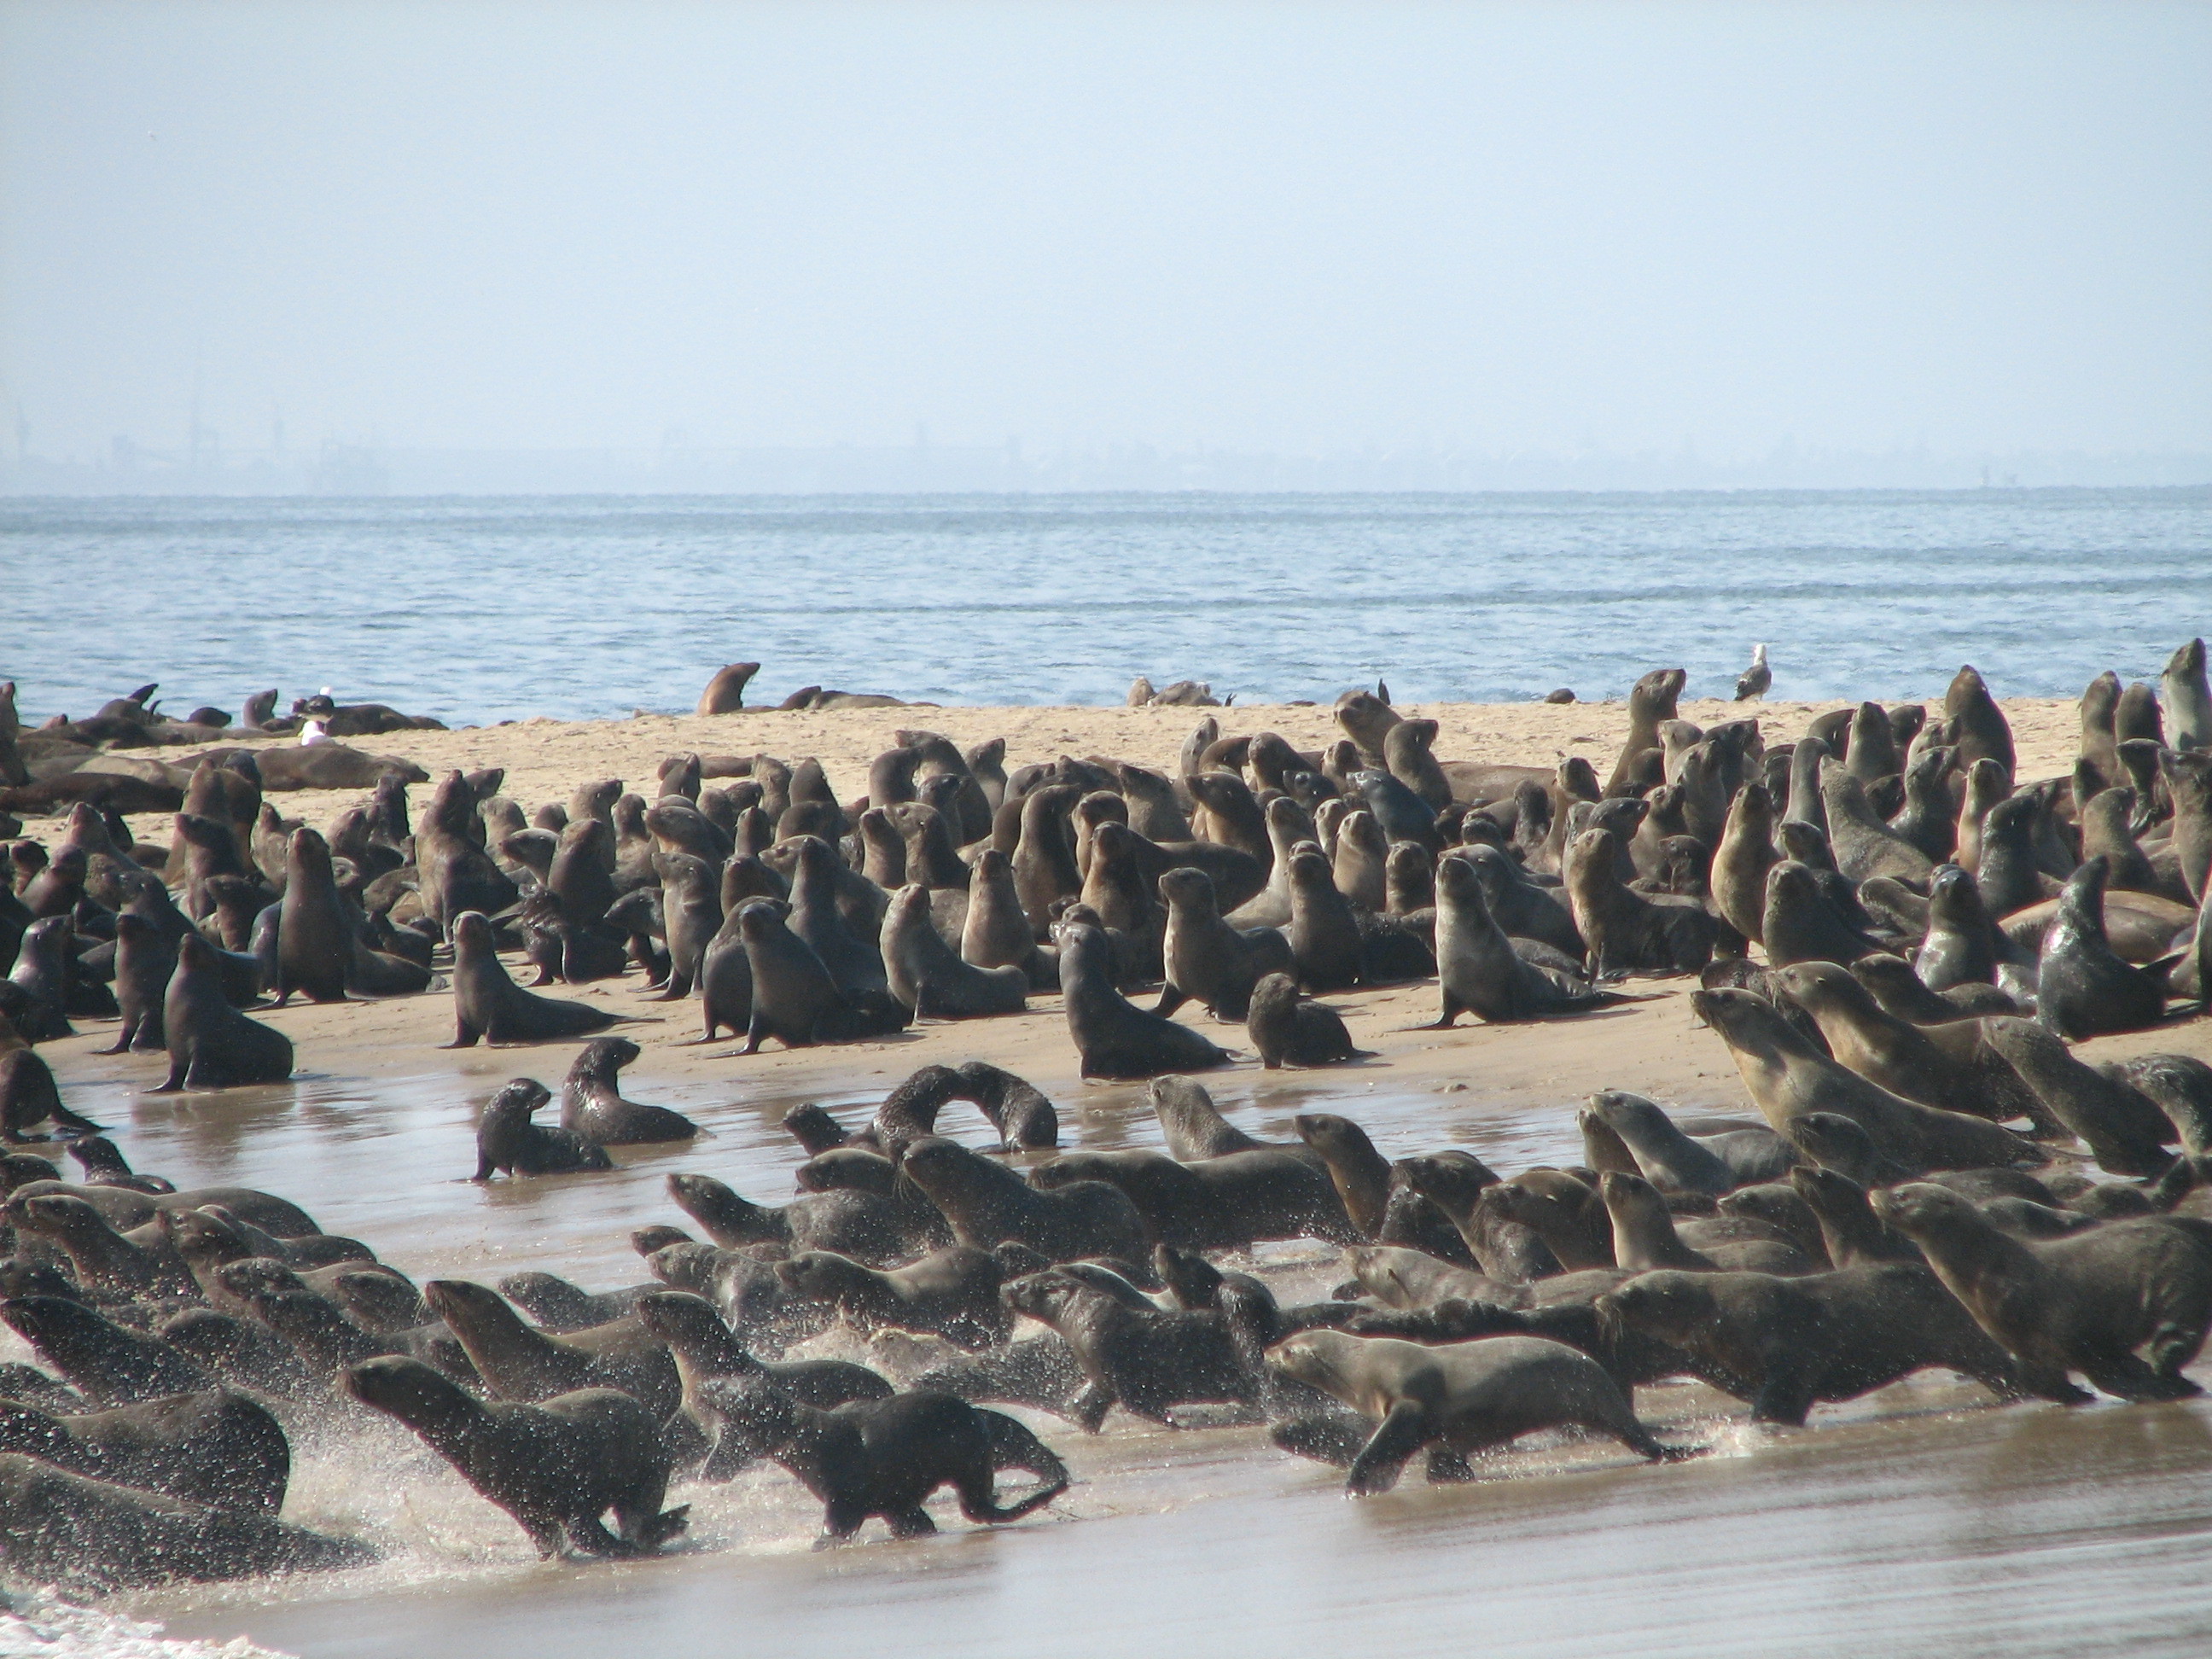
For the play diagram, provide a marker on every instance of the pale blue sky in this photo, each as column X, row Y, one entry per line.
column 1307, row 227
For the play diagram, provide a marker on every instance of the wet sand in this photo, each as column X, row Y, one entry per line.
column 1921, row 1518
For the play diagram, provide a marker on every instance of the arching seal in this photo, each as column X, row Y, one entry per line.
column 490, row 1005
column 557, row 1466
column 2087, row 1302
column 1113, row 1037
column 1461, row 1398
column 592, row 1104
column 211, row 1045
column 885, row 1456
column 726, row 692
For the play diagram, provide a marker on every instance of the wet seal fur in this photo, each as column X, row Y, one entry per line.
column 2087, row 1302
column 884, row 1457
column 556, row 1466
column 1460, row 1398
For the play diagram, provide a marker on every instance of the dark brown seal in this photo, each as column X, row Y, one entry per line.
column 557, row 1466
column 1784, row 1344
column 2088, row 1302
column 490, row 1006
column 884, row 1457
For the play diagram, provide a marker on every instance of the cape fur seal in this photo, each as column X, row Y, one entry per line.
column 1143, row 1359
column 507, row 1140
column 557, row 1466
column 884, row 1457
column 1462, row 1397
column 1113, row 1037
column 1784, row 1344
column 490, row 1005
column 211, row 1045
column 592, row 1104
column 2088, row 1302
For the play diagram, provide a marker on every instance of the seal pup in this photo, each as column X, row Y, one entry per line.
column 1784, row 1343
column 592, row 1105
column 884, row 1457
column 490, row 1005
column 1289, row 1029
column 557, row 1467
column 1478, row 971
column 2088, row 1302
column 508, row 1140
column 1115, row 1038
column 1462, row 1397
column 211, row 1045
column 927, row 976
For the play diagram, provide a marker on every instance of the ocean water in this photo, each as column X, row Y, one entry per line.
column 476, row 610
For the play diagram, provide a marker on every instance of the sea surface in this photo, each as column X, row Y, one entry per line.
column 478, row 610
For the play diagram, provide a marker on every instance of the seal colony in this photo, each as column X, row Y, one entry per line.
column 1895, row 931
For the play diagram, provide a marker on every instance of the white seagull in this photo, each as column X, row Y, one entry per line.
column 1754, row 680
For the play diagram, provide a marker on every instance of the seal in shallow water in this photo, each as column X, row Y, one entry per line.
column 592, row 1104
column 507, row 1139
column 1143, row 1359
column 987, row 1204
column 212, row 1045
column 2088, row 1302
column 886, row 1456
column 1463, row 1397
column 1784, row 1343
column 87, row 1535
column 556, row 1466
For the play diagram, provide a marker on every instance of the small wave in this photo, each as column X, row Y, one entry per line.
column 38, row 1625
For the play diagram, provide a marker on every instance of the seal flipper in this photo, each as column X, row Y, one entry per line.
column 1388, row 1450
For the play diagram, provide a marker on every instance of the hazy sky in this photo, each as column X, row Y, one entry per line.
column 1304, row 228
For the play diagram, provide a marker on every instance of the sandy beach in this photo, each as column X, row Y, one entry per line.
column 372, row 1134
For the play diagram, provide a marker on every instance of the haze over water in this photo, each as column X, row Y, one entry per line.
column 476, row 611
